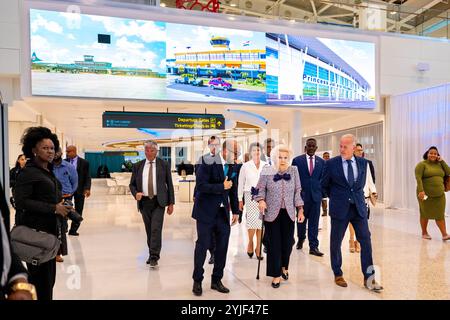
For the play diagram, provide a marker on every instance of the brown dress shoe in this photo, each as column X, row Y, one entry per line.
column 352, row 245
column 357, row 246
column 340, row 281
column 59, row 258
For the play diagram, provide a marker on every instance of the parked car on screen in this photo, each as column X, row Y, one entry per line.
column 197, row 82
column 219, row 83
column 182, row 80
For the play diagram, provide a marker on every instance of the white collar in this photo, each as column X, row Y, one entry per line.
column 148, row 161
column 353, row 159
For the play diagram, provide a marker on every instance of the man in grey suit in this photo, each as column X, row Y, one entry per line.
column 152, row 187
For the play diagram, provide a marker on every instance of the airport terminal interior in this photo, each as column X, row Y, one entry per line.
column 108, row 76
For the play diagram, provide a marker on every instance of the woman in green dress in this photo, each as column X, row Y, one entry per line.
column 430, row 191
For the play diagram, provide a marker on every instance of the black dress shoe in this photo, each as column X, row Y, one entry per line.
column 197, row 288
column 250, row 254
column 300, row 244
column 275, row 285
column 153, row 263
column 285, row 276
column 211, row 259
column 73, row 233
column 148, row 260
column 218, row 285
column 315, row 252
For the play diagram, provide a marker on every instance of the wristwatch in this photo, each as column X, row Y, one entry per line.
column 25, row 286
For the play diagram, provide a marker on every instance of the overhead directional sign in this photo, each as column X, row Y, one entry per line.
column 156, row 120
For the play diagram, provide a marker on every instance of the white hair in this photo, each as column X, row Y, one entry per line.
column 350, row 136
column 276, row 152
column 151, row 143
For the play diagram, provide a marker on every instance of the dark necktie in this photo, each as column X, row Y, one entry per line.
column 311, row 166
column 350, row 175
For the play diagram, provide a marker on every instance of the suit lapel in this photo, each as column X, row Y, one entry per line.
column 316, row 165
column 360, row 168
column 304, row 159
column 341, row 170
column 79, row 165
column 140, row 172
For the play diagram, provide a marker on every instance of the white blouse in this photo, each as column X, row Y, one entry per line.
column 249, row 177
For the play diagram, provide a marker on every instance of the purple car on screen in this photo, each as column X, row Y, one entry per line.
column 218, row 83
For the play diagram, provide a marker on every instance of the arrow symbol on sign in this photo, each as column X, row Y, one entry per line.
column 219, row 123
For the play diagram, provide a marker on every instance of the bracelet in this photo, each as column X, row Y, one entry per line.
column 25, row 286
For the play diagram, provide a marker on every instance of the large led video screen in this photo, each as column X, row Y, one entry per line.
column 82, row 55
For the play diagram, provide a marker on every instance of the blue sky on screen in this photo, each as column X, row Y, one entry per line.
column 61, row 37
column 182, row 36
column 360, row 55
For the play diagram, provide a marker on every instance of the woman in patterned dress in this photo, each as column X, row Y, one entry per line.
column 248, row 178
column 281, row 204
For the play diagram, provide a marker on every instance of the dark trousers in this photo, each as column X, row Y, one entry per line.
column 153, row 216
column 280, row 239
column 312, row 217
column 43, row 278
column 220, row 230
column 212, row 248
column 338, row 228
column 79, row 206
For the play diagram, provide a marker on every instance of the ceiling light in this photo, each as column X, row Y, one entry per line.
column 392, row 12
column 233, row 5
column 163, row 4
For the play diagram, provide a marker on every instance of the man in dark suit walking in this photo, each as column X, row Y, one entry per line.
column 214, row 148
column 343, row 179
column 216, row 193
column 13, row 276
column 84, row 184
column 152, row 187
column 310, row 168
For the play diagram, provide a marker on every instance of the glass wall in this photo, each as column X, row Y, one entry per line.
column 370, row 136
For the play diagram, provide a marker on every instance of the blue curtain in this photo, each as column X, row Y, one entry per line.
column 96, row 159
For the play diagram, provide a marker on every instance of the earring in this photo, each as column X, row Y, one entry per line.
column 35, row 154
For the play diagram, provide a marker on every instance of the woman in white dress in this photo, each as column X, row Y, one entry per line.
column 248, row 179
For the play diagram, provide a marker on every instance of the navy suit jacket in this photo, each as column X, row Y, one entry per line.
column 336, row 186
column 210, row 193
column 311, row 185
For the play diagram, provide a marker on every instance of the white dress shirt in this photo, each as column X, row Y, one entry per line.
column 307, row 161
column 145, row 177
column 354, row 167
column 249, row 177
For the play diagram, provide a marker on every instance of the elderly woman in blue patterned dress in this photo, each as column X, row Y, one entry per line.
column 279, row 201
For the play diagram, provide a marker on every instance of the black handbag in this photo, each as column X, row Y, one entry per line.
column 33, row 246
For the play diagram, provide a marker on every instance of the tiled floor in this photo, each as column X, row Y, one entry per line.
column 107, row 261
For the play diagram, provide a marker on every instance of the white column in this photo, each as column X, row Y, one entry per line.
column 296, row 133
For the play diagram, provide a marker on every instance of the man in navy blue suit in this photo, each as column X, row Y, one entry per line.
column 216, row 192
column 343, row 180
column 310, row 167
